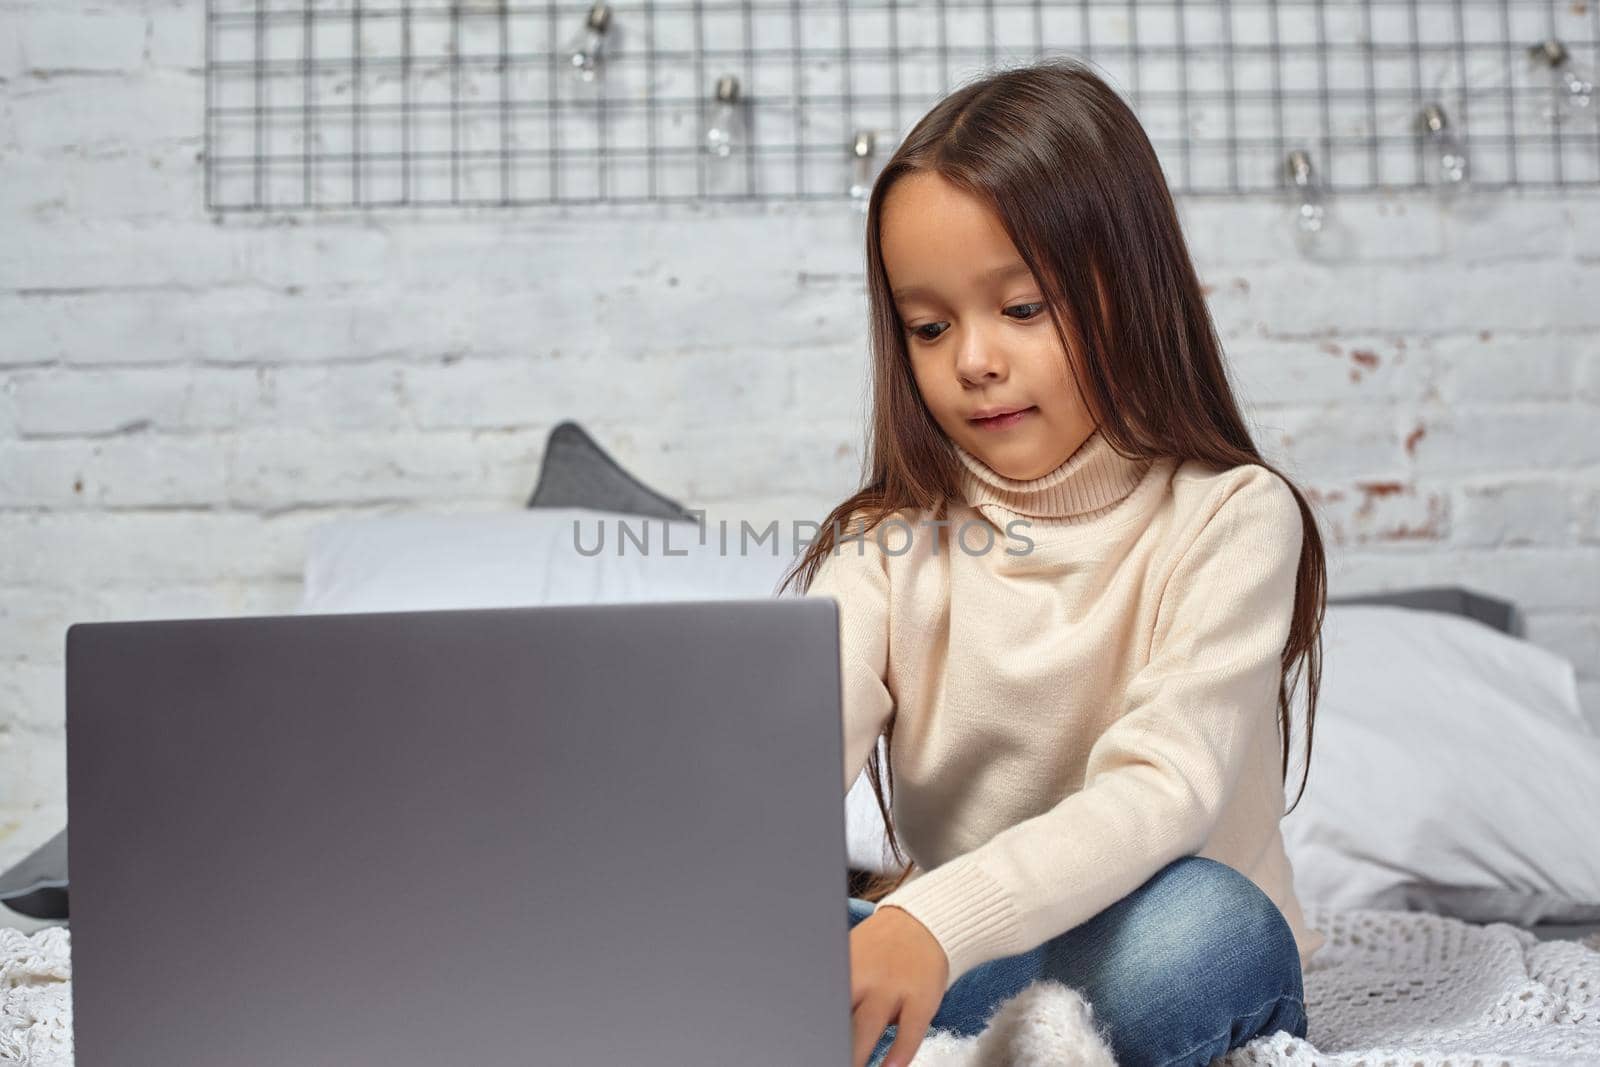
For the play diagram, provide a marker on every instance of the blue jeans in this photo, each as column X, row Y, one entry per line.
column 1194, row 962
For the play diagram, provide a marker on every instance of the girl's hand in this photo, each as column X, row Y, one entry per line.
column 898, row 972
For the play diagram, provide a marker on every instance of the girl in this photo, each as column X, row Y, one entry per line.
column 1071, row 594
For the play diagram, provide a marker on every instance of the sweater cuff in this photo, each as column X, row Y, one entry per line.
column 967, row 911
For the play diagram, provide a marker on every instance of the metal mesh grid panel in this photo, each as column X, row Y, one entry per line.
column 384, row 103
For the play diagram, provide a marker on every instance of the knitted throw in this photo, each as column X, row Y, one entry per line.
column 1389, row 989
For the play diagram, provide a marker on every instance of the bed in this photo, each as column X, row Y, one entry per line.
column 1390, row 989
column 1447, row 945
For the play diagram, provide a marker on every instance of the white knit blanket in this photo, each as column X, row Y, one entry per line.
column 1389, row 987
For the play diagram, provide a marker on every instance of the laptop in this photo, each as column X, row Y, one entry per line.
column 586, row 834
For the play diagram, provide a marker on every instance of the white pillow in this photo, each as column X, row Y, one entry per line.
column 1452, row 771
column 530, row 557
column 419, row 562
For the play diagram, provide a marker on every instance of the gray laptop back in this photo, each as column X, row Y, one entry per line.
column 559, row 835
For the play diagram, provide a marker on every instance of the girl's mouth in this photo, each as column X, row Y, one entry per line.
column 1002, row 422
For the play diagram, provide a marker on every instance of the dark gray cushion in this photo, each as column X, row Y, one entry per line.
column 577, row 473
column 37, row 886
column 1502, row 615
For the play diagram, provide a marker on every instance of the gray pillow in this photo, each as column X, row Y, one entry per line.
column 1502, row 615
column 37, row 887
column 577, row 473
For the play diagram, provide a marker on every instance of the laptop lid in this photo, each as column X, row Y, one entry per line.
column 570, row 834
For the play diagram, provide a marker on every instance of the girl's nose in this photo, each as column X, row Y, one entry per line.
column 980, row 358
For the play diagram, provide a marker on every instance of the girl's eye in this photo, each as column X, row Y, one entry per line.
column 1034, row 310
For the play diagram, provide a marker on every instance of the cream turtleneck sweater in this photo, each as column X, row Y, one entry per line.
column 1074, row 715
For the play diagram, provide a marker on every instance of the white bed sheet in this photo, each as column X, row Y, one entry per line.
column 1410, row 989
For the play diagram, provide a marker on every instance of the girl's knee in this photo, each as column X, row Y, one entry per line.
column 1211, row 914
column 1196, row 925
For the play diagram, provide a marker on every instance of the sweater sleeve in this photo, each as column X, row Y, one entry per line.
column 1158, row 778
column 854, row 574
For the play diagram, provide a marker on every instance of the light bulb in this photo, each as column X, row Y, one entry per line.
column 585, row 52
column 1572, row 92
column 1448, row 154
column 1310, row 209
column 725, row 129
column 861, row 152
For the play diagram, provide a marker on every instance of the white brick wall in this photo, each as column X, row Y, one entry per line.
column 181, row 399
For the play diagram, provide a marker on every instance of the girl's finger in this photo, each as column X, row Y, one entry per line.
column 869, row 1021
column 910, row 1029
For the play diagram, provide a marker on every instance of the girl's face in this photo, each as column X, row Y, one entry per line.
column 977, row 329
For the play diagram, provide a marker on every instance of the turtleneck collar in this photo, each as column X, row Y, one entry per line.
column 1087, row 482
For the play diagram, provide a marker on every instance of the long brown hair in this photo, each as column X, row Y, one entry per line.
column 1067, row 168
